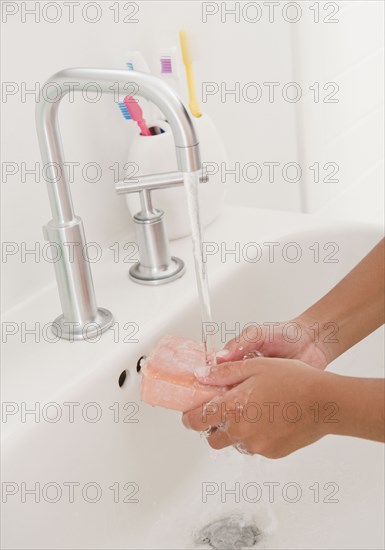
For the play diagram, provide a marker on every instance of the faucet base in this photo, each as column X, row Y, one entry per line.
column 157, row 276
column 68, row 330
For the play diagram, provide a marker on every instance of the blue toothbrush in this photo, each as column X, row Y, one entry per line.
column 122, row 106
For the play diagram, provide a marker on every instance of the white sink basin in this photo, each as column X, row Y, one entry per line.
column 159, row 467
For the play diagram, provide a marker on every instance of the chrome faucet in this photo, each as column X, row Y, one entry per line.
column 81, row 318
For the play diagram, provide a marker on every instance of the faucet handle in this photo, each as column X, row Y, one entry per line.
column 155, row 265
column 154, row 181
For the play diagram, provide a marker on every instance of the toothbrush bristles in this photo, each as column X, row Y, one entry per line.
column 124, row 111
column 165, row 65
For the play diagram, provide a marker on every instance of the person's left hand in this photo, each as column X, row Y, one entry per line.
column 276, row 406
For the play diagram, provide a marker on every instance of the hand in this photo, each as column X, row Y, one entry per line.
column 292, row 340
column 276, row 407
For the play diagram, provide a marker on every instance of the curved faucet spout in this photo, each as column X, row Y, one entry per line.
column 108, row 81
column 81, row 318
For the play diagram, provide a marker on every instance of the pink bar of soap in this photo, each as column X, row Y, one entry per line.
column 168, row 378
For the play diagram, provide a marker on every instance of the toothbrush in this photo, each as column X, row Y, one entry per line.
column 133, row 59
column 187, row 61
column 168, row 68
column 124, row 111
column 136, row 114
column 135, row 62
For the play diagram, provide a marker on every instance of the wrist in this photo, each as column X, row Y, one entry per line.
column 327, row 403
column 358, row 404
column 321, row 334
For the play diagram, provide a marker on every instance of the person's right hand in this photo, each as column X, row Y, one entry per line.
column 291, row 340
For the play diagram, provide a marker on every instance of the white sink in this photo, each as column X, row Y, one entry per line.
column 164, row 465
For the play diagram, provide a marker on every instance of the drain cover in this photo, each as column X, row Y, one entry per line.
column 228, row 533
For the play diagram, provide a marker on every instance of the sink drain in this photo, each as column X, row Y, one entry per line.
column 229, row 533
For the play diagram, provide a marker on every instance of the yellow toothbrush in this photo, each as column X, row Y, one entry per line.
column 187, row 61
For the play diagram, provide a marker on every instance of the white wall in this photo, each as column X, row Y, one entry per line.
column 230, row 52
column 350, row 132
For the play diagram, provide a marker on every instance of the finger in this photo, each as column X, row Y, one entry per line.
column 204, row 417
column 250, row 340
column 231, row 373
column 222, row 437
column 217, row 412
column 219, row 439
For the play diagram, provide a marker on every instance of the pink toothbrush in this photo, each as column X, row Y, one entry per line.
column 136, row 113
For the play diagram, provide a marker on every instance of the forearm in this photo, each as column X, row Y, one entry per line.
column 360, row 406
column 353, row 308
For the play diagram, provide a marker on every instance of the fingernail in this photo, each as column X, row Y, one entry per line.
column 222, row 353
column 202, row 372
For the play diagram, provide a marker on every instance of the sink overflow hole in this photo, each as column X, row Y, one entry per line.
column 122, row 378
column 139, row 363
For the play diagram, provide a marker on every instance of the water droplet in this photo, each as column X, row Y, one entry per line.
column 241, row 448
column 252, row 354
